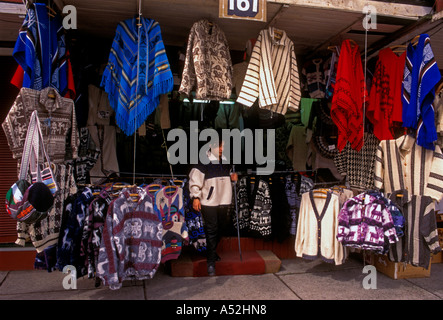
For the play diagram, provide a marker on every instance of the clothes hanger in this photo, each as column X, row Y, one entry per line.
column 353, row 43
column 414, row 41
column 398, row 48
column 278, row 34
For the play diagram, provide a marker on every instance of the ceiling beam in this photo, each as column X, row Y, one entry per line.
column 386, row 9
column 13, row 8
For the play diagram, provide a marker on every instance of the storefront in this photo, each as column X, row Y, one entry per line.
column 327, row 142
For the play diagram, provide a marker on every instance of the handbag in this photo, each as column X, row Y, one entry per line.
column 30, row 202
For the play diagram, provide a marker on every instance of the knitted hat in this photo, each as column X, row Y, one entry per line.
column 28, row 203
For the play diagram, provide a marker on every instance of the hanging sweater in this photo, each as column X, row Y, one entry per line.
column 131, row 241
column 421, row 75
column 347, row 101
column 168, row 204
column 402, row 164
column 421, row 236
column 208, row 65
column 358, row 166
column 317, row 229
column 57, row 119
column 137, row 73
column 272, row 75
column 365, row 222
column 385, row 105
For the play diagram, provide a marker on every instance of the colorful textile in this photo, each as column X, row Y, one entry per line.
column 385, row 105
column 365, row 223
column 40, row 50
column 349, row 93
column 175, row 236
column 137, row 73
column 421, row 75
column 131, row 241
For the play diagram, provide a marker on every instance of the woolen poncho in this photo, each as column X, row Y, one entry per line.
column 421, row 75
column 347, row 101
column 137, row 72
column 385, row 105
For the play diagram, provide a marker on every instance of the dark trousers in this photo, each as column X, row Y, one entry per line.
column 215, row 221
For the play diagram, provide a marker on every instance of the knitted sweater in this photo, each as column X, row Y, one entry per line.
column 131, row 241
column 272, row 75
column 208, row 65
column 365, row 222
column 421, row 236
column 385, row 105
column 317, row 229
column 402, row 164
column 58, row 123
column 347, row 101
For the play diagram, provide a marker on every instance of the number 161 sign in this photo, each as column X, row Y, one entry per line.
column 243, row 9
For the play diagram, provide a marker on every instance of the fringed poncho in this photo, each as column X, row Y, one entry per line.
column 137, row 73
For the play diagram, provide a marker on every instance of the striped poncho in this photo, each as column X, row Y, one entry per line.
column 421, row 75
column 137, row 73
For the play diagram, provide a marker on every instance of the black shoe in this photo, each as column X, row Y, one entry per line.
column 211, row 270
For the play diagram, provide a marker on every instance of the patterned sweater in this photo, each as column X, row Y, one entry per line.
column 208, row 65
column 132, row 240
column 365, row 222
column 58, row 123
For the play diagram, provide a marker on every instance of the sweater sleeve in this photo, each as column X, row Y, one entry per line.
column 379, row 168
column 388, row 225
column 107, row 265
column 434, row 187
column 428, row 228
column 300, row 236
column 250, row 89
column 189, row 78
column 343, row 222
column 196, row 181
column 295, row 90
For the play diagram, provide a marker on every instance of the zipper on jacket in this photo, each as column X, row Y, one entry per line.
column 210, row 192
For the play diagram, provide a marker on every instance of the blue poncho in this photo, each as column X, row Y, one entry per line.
column 418, row 91
column 40, row 50
column 137, row 73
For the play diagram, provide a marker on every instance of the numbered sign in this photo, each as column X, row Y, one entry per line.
column 243, row 9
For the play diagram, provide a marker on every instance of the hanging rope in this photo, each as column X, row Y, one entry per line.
column 164, row 145
column 365, row 63
column 139, row 24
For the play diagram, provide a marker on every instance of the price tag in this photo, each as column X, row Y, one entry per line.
column 243, row 9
